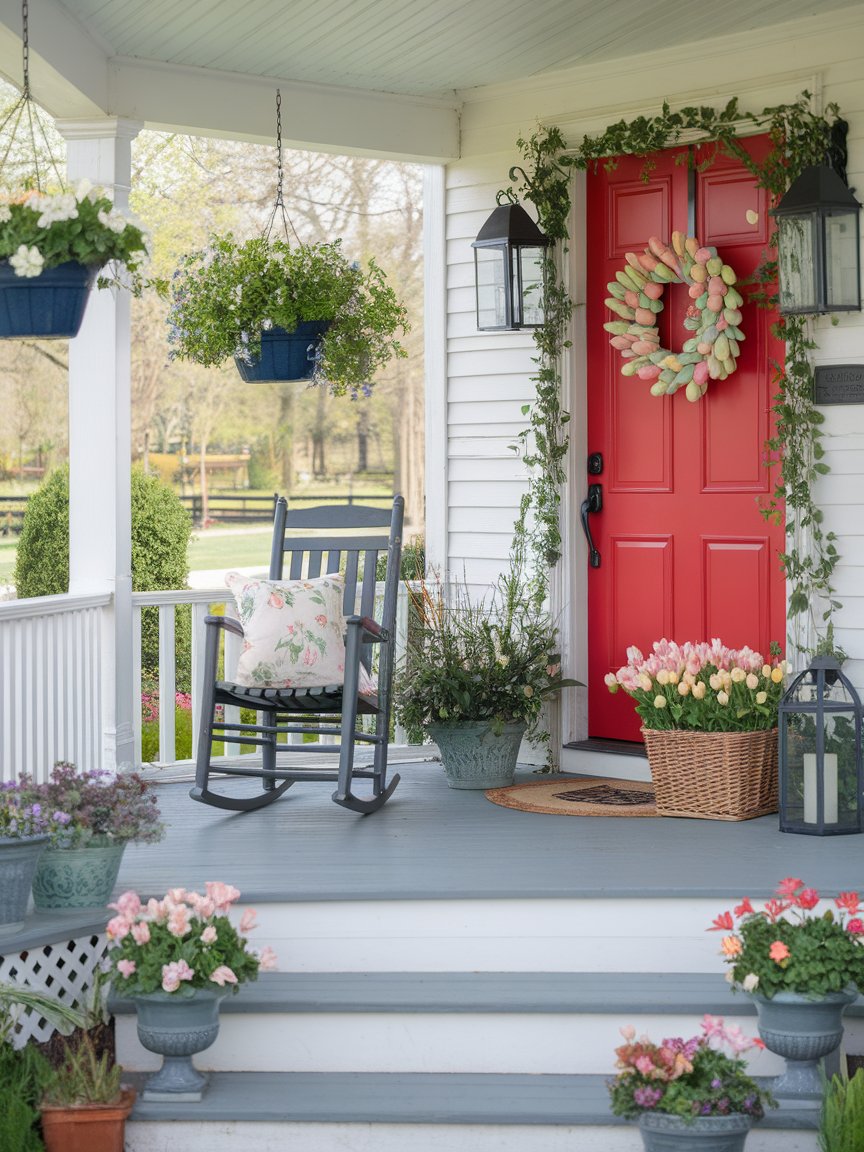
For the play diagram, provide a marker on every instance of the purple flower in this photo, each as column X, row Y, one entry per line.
column 647, row 1097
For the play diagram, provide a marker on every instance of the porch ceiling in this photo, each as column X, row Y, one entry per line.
column 211, row 65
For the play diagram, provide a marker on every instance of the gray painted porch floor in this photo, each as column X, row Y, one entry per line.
column 433, row 842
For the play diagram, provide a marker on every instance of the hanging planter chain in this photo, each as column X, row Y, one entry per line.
column 24, row 104
column 279, row 205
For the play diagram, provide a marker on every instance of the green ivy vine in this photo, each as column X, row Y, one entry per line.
column 799, row 137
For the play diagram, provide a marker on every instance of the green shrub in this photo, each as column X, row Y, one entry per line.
column 161, row 528
column 23, row 1074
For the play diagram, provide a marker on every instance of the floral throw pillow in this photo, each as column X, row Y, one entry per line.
column 293, row 632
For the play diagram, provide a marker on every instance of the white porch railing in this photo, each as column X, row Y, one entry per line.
column 203, row 603
column 50, row 683
column 51, row 676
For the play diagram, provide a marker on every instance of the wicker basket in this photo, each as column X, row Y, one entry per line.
column 713, row 775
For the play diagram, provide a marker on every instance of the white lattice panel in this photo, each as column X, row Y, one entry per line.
column 66, row 970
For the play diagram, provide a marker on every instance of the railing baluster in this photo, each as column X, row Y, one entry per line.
column 167, row 685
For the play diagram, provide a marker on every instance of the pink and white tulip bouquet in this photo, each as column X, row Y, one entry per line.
column 182, row 942
column 703, row 687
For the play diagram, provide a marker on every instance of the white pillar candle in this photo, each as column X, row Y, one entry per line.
column 830, row 786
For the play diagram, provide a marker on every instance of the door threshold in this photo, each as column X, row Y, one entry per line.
column 608, row 747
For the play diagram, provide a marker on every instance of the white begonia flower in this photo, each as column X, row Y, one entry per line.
column 112, row 220
column 5, row 213
column 62, row 207
column 27, row 261
column 83, row 189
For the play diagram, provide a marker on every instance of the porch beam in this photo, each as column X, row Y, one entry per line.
column 320, row 117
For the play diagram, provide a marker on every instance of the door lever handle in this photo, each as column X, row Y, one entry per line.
column 592, row 503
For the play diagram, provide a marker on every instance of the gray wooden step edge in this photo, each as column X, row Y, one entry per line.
column 624, row 994
column 408, row 1098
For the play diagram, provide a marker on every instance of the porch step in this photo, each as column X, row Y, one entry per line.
column 455, row 1023
column 269, row 1112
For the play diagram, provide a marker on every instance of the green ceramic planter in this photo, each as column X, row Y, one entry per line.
column 475, row 755
column 76, row 877
column 19, row 857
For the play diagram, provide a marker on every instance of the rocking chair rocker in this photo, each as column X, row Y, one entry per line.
column 332, row 710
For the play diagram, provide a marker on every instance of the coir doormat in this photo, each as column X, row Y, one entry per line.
column 579, row 796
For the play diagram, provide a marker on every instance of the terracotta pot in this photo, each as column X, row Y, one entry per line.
column 88, row 1127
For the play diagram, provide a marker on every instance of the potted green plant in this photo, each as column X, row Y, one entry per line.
column 709, row 721
column 84, row 1105
column 52, row 248
column 106, row 811
column 477, row 674
column 688, row 1092
column 26, row 826
column 176, row 958
column 841, row 1121
column 802, row 964
column 24, row 1070
column 242, row 298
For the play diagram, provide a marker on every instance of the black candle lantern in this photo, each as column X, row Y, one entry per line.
column 818, row 238
column 508, row 270
column 820, row 753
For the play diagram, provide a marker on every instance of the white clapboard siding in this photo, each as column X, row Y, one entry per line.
column 487, row 370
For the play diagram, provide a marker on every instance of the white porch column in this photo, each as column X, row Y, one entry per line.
column 100, row 542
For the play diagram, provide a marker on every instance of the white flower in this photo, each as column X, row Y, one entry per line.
column 5, row 213
column 64, row 206
column 112, row 220
column 750, row 982
column 27, row 261
column 83, row 189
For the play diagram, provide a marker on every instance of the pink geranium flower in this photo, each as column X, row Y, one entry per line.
column 223, row 975
column 778, row 951
column 187, row 939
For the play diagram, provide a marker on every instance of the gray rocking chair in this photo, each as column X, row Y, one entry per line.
column 348, row 546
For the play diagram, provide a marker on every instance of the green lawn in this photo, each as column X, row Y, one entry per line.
column 243, row 550
column 246, row 549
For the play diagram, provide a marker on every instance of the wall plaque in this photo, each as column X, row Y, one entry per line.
column 839, row 384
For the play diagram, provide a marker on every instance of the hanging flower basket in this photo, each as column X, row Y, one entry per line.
column 49, row 306
column 285, row 355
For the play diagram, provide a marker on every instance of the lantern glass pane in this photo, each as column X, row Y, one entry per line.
column 797, row 263
column 531, row 278
column 490, row 269
column 821, row 778
column 842, row 289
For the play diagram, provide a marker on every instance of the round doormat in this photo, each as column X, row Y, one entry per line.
column 579, row 796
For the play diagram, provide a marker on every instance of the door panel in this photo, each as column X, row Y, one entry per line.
column 684, row 552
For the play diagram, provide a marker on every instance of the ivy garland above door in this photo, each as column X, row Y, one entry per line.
column 800, row 138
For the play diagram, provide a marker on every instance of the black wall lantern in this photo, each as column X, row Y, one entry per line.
column 508, row 270
column 818, row 239
column 820, row 753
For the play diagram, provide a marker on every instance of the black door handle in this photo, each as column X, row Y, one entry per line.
column 592, row 503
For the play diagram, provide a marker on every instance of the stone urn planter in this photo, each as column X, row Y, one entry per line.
column 802, row 1029
column 664, row 1133
column 76, row 877
column 177, row 1027
column 478, row 754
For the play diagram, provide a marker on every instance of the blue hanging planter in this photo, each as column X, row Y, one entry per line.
column 49, row 306
column 285, row 355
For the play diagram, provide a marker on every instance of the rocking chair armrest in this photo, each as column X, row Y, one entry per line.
column 226, row 622
column 373, row 633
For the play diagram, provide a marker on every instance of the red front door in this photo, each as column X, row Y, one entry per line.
column 684, row 552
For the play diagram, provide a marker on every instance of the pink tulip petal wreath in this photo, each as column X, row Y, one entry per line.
column 713, row 316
